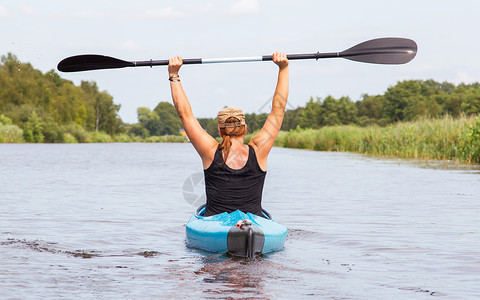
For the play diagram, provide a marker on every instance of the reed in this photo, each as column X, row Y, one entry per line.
column 444, row 138
column 166, row 139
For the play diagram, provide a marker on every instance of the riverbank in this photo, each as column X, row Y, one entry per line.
column 14, row 134
column 445, row 138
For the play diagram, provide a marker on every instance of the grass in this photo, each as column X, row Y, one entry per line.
column 101, row 137
column 76, row 134
column 443, row 138
column 166, row 139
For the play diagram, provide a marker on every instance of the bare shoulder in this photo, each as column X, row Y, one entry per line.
column 208, row 154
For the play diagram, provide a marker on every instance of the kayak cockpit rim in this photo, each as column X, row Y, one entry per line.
column 201, row 211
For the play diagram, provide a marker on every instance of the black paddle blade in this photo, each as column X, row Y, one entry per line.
column 91, row 62
column 394, row 51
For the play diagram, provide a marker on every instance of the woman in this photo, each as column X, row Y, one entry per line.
column 234, row 172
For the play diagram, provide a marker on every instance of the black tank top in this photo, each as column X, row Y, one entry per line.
column 230, row 189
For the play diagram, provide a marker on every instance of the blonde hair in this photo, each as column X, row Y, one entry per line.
column 226, row 143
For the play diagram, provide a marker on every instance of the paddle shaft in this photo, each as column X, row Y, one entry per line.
column 193, row 61
column 318, row 55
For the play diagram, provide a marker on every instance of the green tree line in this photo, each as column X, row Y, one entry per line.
column 50, row 109
column 46, row 108
column 408, row 100
column 163, row 120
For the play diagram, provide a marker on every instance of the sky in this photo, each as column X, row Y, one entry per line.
column 44, row 32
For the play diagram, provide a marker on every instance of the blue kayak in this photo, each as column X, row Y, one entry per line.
column 237, row 233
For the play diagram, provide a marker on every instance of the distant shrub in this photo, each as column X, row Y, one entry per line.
column 5, row 120
column 471, row 149
column 77, row 132
column 122, row 138
column 33, row 129
column 11, row 134
column 70, row 139
column 138, row 130
column 99, row 137
column 53, row 132
column 166, row 139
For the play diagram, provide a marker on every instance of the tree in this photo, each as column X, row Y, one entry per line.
column 346, row 111
column 453, row 105
column 292, row 118
column 311, row 114
column 162, row 120
column 33, row 130
column 329, row 112
column 471, row 99
column 139, row 130
column 427, row 107
column 169, row 121
column 370, row 110
column 400, row 100
column 56, row 101
column 149, row 120
column 5, row 120
column 370, row 106
column 210, row 125
column 53, row 132
column 411, row 99
column 106, row 118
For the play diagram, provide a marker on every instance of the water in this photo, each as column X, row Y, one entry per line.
column 107, row 221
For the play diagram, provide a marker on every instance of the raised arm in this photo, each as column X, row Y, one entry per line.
column 265, row 138
column 204, row 143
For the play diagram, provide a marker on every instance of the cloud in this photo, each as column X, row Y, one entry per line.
column 81, row 45
column 22, row 9
column 88, row 45
column 130, row 45
column 244, row 7
column 221, row 91
column 164, row 13
column 208, row 8
column 26, row 10
column 423, row 68
column 3, row 12
column 87, row 14
column 463, row 77
column 200, row 8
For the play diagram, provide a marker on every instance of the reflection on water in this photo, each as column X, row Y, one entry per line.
column 108, row 221
column 241, row 277
column 427, row 163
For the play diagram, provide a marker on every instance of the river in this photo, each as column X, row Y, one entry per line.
column 107, row 221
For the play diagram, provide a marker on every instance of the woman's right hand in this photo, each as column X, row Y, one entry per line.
column 174, row 65
column 280, row 59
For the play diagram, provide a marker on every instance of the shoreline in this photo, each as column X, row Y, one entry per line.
column 441, row 139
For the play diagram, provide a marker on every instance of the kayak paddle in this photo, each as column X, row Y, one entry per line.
column 377, row 51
